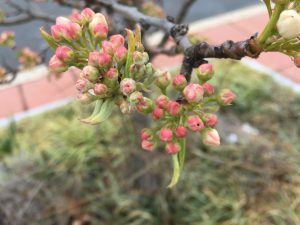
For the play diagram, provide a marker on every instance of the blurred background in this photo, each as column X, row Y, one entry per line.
column 56, row 170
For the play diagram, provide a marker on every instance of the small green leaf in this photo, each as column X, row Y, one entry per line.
column 131, row 48
column 176, row 171
column 49, row 39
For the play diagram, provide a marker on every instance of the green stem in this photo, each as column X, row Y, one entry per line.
column 176, row 171
column 268, row 31
column 181, row 154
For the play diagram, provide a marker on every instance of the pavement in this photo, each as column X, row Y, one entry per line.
column 37, row 93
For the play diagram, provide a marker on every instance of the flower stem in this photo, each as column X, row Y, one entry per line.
column 176, row 171
column 268, row 31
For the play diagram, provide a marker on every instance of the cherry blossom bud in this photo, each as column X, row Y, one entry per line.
column 100, row 89
column 62, row 20
column 195, row 123
column 289, row 24
column 82, row 84
column 211, row 137
column 205, row 72
column 100, row 31
column 174, row 108
column 117, row 40
column 137, row 57
column 162, row 101
column 173, row 148
column 72, row 31
column 163, row 80
column 112, row 74
column 120, row 54
column 104, row 60
column 297, row 61
column 7, row 39
column 76, row 17
column 180, row 132
column 125, row 107
column 146, row 134
column 91, row 73
column 127, row 86
column 193, row 93
column 157, row 113
column 145, row 106
column 85, row 98
column 64, row 53
column 94, row 58
column 107, row 47
column 87, row 14
column 148, row 145
column 179, row 82
column 56, row 65
column 165, row 134
column 208, row 89
column 136, row 97
column 57, row 32
column 210, row 120
column 226, row 97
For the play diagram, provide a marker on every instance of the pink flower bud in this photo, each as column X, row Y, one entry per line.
column 100, row 89
column 210, row 120
column 76, row 17
column 91, row 73
column 62, row 20
column 145, row 106
column 56, row 65
column 195, row 123
column 94, row 58
column 107, row 47
column 174, row 108
column 173, row 148
column 85, row 98
column 112, row 74
column 297, row 61
column 57, row 32
column 127, row 86
column 82, row 85
column 162, row 101
column 104, row 60
column 179, row 82
column 163, row 80
column 100, row 31
column 136, row 97
column 180, row 132
column 205, row 72
column 117, row 40
column 146, row 134
column 157, row 113
column 137, row 57
column 125, row 107
column 148, row 145
column 193, row 93
column 226, row 97
column 64, row 53
column 211, row 137
column 120, row 54
column 87, row 14
column 208, row 89
column 165, row 134
column 72, row 31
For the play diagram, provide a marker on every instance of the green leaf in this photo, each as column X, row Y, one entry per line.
column 176, row 171
column 49, row 39
column 131, row 48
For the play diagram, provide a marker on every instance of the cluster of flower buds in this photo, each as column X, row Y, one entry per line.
column 28, row 58
column 110, row 71
column 7, row 39
column 192, row 113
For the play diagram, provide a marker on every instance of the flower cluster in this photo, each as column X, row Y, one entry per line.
column 7, row 39
column 113, row 73
column 28, row 58
column 192, row 113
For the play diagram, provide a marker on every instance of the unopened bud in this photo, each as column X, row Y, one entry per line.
column 148, row 145
column 211, row 137
column 205, row 72
column 157, row 114
column 193, row 93
column 166, row 134
column 173, row 148
column 127, row 86
column 100, row 89
column 289, row 24
column 226, row 97
column 210, row 120
column 91, row 73
column 208, row 89
column 56, row 65
column 87, row 14
column 194, row 123
column 163, row 80
column 162, row 101
column 64, row 53
column 180, row 132
column 179, row 82
column 174, row 108
column 117, row 40
column 145, row 106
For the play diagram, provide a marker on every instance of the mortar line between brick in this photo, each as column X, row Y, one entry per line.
column 23, row 98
